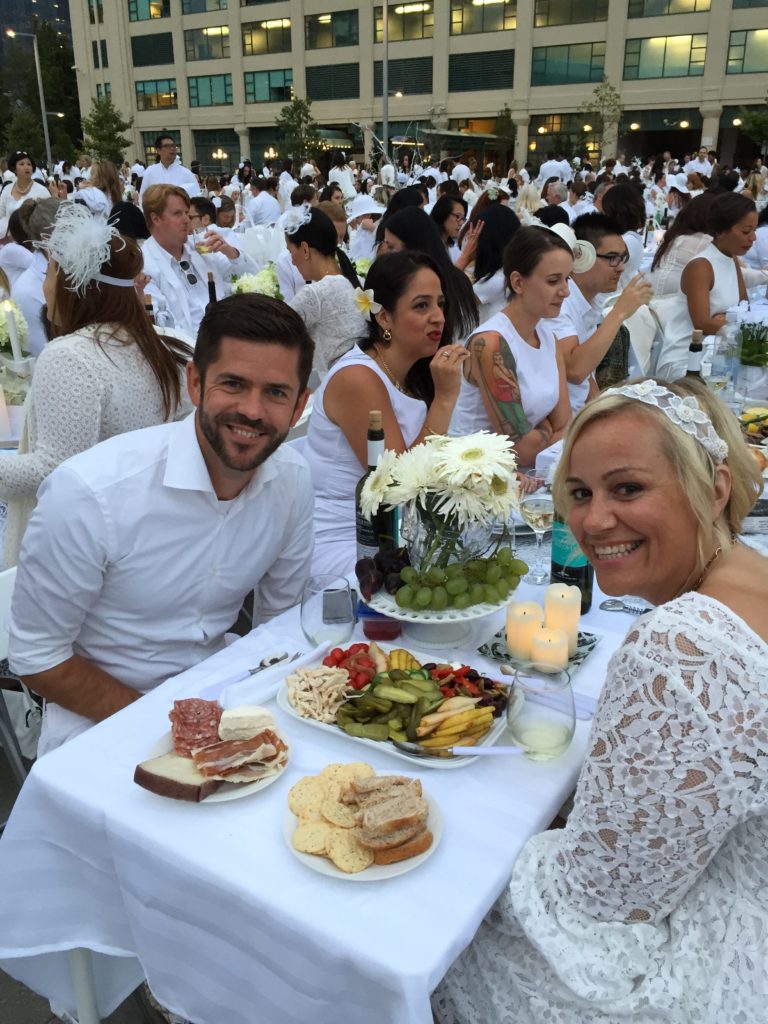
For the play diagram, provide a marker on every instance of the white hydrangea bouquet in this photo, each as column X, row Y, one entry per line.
column 22, row 329
column 263, row 283
column 455, row 490
column 362, row 265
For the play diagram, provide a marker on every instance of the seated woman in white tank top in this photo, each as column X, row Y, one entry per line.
column 711, row 283
column 404, row 368
column 514, row 381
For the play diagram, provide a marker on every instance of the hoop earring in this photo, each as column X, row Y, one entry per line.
column 387, row 336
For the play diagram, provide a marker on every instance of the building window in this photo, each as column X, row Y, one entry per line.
column 468, row 17
column 412, row 76
column 148, row 141
column 267, row 36
column 102, row 91
column 157, row 94
column 653, row 8
column 749, row 3
column 562, row 65
column 471, row 72
column 407, row 21
column 95, row 9
column 210, row 90
column 154, row 49
column 208, row 43
column 569, row 12
column 256, row 3
column 337, row 82
column 748, row 52
column 202, row 6
column 99, row 50
column 665, row 57
column 268, row 86
column 324, row 30
column 148, row 10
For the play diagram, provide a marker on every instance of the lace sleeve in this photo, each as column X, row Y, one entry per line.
column 306, row 302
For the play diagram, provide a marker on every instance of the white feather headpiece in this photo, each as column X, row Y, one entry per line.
column 295, row 217
column 79, row 243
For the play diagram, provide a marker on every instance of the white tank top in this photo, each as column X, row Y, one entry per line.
column 537, row 376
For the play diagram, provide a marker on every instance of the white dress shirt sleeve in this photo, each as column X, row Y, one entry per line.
column 60, row 573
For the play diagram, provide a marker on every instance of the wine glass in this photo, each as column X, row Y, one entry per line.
column 540, row 714
column 327, row 612
column 538, row 510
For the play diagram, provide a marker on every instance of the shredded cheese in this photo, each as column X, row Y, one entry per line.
column 318, row 692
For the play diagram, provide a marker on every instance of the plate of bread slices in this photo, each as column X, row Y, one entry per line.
column 214, row 755
column 350, row 823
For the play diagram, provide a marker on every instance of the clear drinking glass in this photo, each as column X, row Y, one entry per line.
column 538, row 510
column 327, row 612
column 540, row 714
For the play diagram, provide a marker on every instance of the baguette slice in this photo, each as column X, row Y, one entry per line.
column 377, row 842
column 376, row 796
column 390, row 815
column 175, row 777
column 379, row 782
column 420, row 843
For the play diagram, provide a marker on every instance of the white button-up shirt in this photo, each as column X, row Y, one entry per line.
column 176, row 174
column 131, row 561
column 578, row 318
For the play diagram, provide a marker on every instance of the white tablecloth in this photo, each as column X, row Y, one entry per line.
column 209, row 903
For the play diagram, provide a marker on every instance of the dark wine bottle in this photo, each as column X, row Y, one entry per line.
column 211, row 291
column 380, row 531
column 148, row 308
column 695, row 354
column 569, row 563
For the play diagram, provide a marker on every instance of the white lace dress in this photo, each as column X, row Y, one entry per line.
column 652, row 904
column 328, row 309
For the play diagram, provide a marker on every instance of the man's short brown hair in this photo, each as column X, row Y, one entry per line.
column 155, row 199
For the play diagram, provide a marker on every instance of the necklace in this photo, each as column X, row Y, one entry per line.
column 389, row 373
column 23, row 192
column 700, row 580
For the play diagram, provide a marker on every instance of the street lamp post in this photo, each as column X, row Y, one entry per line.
column 385, row 78
column 11, row 33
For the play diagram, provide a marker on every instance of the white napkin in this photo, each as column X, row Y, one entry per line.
column 262, row 687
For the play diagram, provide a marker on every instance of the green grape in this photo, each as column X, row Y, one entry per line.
column 404, row 597
column 517, row 565
column 462, row 601
column 493, row 573
column 408, row 574
column 504, row 556
column 476, row 567
column 439, row 598
column 457, row 585
column 491, row 593
column 477, row 593
column 502, row 587
column 423, row 597
column 435, row 575
column 513, row 582
column 454, row 569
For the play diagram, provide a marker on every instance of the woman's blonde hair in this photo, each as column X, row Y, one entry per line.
column 104, row 175
column 693, row 465
column 528, row 198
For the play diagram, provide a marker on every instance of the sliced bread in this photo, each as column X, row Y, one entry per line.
column 374, row 841
column 175, row 777
column 420, row 843
column 395, row 813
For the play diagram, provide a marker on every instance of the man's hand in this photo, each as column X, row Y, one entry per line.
column 216, row 243
column 82, row 687
column 638, row 292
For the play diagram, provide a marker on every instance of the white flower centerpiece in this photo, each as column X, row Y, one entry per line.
column 14, row 374
column 263, row 283
column 452, row 492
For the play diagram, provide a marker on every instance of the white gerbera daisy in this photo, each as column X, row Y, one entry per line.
column 475, row 456
column 414, row 475
column 376, row 489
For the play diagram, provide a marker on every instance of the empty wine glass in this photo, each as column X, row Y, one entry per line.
column 538, row 510
column 540, row 714
column 327, row 612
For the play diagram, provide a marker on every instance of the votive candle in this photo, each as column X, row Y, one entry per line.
column 523, row 622
column 549, row 649
column 13, row 333
column 562, row 610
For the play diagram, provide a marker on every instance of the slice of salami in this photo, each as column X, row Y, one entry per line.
column 194, row 723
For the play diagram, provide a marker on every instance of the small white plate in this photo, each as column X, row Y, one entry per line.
column 377, row 872
column 230, row 790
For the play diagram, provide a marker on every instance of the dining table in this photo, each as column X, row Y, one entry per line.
column 105, row 884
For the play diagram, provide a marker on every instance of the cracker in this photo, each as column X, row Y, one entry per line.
column 344, row 773
column 347, row 854
column 312, row 838
column 306, row 794
column 312, row 816
column 333, row 810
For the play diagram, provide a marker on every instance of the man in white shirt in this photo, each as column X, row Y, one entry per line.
column 700, row 163
column 168, row 171
column 178, row 273
column 167, row 529
column 583, row 335
column 566, row 171
column 550, row 169
column 263, row 206
column 557, row 193
column 461, row 172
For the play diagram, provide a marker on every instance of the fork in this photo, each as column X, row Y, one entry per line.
column 614, row 604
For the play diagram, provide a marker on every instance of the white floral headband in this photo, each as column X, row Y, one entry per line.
column 366, row 303
column 294, row 218
column 685, row 413
column 584, row 254
column 80, row 243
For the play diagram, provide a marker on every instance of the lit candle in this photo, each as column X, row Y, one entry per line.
column 562, row 610
column 549, row 649
column 523, row 621
column 13, row 334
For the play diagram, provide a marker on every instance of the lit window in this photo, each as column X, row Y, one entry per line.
column 665, row 57
column 748, row 52
column 562, row 65
column 470, row 16
column 337, row 29
column 406, row 21
column 272, row 36
column 208, row 43
column 157, row 94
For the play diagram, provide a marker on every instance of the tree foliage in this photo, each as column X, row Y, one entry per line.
column 605, row 106
column 505, row 131
column 754, row 123
column 298, row 130
column 103, row 129
column 24, row 132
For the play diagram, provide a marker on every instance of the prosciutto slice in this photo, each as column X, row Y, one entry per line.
column 253, row 758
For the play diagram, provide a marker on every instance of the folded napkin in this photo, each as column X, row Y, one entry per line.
column 262, row 687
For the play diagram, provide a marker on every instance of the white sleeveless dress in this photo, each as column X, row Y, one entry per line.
column 537, row 376
column 673, row 356
column 336, row 470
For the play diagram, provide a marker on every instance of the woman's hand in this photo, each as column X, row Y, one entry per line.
column 469, row 245
column 446, row 371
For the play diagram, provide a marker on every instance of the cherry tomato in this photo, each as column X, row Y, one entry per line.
column 329, row 662
column 360, row 680
column 447, row 691
column 365, row 662
column 337, row 654
column 356, row 648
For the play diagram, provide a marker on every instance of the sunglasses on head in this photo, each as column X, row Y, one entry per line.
column 185, row 266
column 614, row 259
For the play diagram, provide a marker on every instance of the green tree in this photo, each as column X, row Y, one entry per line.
column 754, row 123
column 505, row 131
column 25, row 132
column 604, row 110
column 103, row 131
column 298, row 129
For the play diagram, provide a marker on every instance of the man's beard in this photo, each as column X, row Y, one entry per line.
column 211, row 429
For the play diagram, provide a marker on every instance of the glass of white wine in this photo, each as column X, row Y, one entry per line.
column 540, row 714
column 327, row 612
column 538, row 510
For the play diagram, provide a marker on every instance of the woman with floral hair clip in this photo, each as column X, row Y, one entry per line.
column 650, row 906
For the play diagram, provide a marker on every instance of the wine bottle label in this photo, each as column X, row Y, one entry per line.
column 367, row 541
column 694, row 360
column 565, row 551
